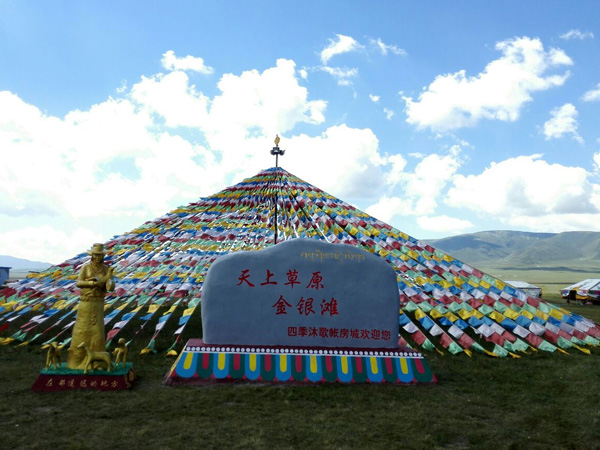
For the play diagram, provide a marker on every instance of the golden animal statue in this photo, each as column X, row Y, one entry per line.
column 120, row 353
column 53, row 356
column 92, row 357
column 95, row 279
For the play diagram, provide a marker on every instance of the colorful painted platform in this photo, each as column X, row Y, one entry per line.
column 201, row 364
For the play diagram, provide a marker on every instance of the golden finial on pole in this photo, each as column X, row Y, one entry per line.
column 277, row 151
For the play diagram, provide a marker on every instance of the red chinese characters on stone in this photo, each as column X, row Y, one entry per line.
column 339, row 333
column 244, row 277
column 305, row 306
column 292, row 276
column 315, row 281
column 330, row 307
column 268, row 280
column 281, row 306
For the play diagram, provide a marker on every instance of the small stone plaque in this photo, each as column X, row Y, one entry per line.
column 301, row 292
column 67, row 380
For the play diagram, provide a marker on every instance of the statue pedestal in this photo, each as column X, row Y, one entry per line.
column 202, row 364
column 63, row 379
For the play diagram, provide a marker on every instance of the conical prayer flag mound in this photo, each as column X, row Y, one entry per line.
column 160, row 267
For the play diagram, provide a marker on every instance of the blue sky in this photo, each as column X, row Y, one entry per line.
column 440, row 118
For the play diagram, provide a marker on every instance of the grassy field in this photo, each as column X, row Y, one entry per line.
column 540, row 401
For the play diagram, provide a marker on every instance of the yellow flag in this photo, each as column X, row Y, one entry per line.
column 435, row 314
column 419, row 314
column 495, row 315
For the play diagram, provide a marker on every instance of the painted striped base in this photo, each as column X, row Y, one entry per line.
column 201, row 363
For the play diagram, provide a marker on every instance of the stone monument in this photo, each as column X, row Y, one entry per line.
column 303, row 310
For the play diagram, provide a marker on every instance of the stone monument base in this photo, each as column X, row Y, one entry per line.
column 63, row 379
column 203, row 364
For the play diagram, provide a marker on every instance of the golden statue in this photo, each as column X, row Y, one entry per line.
column 95, row 279
column 53, row 356
column 92, row 357
column 120, row 352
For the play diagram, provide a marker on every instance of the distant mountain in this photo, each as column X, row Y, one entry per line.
column 509, row 249
column 22, row 264
column 519, row 248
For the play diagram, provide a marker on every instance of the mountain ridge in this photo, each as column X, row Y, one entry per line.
column 22, row 264
column 523, row 249
column 485, row 248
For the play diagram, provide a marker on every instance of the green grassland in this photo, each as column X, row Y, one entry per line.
column 540, row 401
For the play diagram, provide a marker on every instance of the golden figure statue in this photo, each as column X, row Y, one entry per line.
column 53, row 356
column 92, row 357
column 95, row 279
column 120, row 352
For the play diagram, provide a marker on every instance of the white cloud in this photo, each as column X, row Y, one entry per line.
column 596, row 159
column 195, row 64
column 171, row 97
column 385, row 48
column 593, row 95
column 444, row 224
column 396, row 172
column 252, row 104
column 165, row 144
column 563, row 122
column 417, row 192
column 576, row 34
column 354, row 153
column 123, row 87
column 526, row 189
column 47, row 242
column 498, row 93
column 387, row 208
column 388, row 113
column 429, row 179
column 344, row 44
column 374, row 98
column 258, row 105
column 341, row 75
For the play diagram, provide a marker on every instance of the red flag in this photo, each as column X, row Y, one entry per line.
column 111, row 334
column 496, row 339
column 445, row 340
column 579, row 335
column 509, row 336
column 465, row 340
column 418, row 337
column 534, row 340
column 551, row 337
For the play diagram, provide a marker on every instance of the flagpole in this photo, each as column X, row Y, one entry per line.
column 276, row 151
